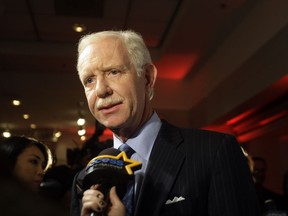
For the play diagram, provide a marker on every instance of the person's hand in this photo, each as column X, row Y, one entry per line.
column 93, row 200
column 117, row 208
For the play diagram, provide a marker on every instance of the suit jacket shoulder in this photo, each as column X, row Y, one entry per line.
column 196, row 172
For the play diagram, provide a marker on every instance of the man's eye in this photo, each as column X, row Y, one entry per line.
column 88, row 80
column 114, row 72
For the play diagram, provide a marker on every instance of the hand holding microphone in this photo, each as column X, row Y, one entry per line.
column 110, row 168
column 93, row 199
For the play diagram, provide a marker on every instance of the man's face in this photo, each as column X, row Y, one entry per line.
column 116, row 96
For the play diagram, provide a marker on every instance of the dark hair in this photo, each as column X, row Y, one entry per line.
column 11, row 148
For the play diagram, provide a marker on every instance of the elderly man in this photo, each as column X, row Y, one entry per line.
column 184, row 171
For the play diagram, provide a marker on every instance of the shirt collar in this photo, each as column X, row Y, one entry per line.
column 143, row 140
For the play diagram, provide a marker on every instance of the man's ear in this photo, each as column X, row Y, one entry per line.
column 150, row 75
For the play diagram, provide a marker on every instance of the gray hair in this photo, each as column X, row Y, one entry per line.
column 137, row 50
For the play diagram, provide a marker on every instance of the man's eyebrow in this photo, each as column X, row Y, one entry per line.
column 111, row 67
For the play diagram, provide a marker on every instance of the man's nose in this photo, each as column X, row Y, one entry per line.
column 102, row 88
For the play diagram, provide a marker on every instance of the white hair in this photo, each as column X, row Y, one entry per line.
column 137, row 50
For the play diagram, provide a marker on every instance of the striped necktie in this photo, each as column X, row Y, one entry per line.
column 128, row 198
column 127, row 149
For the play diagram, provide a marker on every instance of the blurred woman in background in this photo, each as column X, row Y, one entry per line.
column 27, row 159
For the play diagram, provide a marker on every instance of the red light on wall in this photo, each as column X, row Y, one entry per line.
column 224, row 128
column 175, row 66
column 246, row 137
column 241, row 116
column 273, row 118
column 107, row 135
column 108, row 132
column 282, row 83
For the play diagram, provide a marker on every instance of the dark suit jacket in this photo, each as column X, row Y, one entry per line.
column 207, row 169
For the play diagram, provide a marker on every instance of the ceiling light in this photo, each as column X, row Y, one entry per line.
column 82, row 138
column 57, row 134
column 79, row 28
column 6, row 134
column 26, row 116
column 16, row 102
column 33, row 126
column 81, row 132
column 81, row 121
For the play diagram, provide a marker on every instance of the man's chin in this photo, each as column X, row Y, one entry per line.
column 115, row 128
column 112, row 124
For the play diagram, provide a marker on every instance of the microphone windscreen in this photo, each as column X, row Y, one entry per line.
column 107, row 170
column 110, row 151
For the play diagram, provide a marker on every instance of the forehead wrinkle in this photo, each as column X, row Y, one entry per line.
column 110, row 48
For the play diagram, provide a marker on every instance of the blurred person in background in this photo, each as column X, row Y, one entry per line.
column 268, row 199
column 15, row 197
column 26, row 158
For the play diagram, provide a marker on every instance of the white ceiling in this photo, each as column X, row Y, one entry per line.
column 212, row 57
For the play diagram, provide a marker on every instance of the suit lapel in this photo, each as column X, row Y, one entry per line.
column 164, row 163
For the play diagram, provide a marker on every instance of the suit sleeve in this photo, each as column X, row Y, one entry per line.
column 231, row 189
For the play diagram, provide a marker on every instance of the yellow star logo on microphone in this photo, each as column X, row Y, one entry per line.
column 130, row 165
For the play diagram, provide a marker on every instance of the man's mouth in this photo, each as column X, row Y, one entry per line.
column 108, row 103
column 108, row 106
column 109, row 109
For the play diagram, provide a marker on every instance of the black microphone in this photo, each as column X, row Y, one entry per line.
column 52, row 188
column 110, row 168
column 271, row 209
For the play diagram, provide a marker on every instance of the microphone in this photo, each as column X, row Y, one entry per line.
column 52, row 188
column 110, row 168
column 271, row 209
